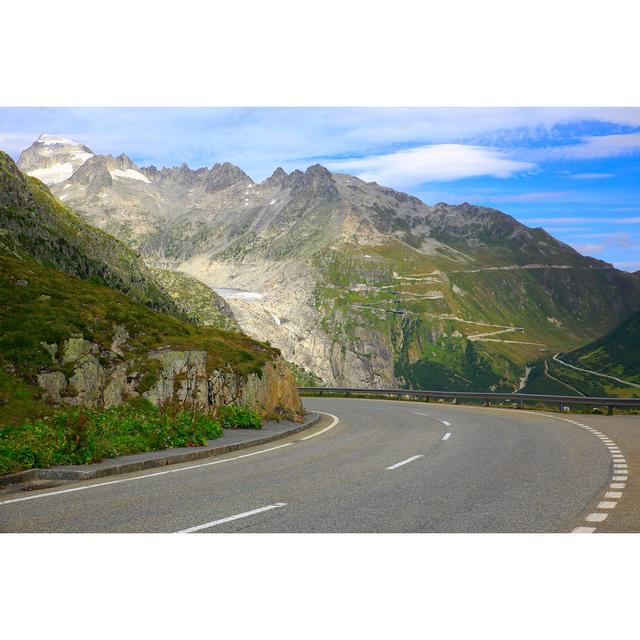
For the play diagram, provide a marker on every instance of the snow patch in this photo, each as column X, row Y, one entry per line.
column 276, row 319
column 83, row 157
column 272, row 202
column 238, row 294
column 52, row 175
column 48, row 139
column 130, row 174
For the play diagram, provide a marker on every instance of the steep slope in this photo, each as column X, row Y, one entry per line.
column 36, row 224
column 196, row 301
column 360, row 284
column 616, row 353
column 71, row 342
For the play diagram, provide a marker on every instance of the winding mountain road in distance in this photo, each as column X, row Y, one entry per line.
column 373, row 466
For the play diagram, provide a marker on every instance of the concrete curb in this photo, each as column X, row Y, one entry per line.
column 147, row 460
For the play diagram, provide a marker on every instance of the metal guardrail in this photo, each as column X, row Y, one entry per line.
column 519, row 398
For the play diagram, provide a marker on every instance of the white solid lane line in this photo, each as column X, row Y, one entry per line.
column 446, row 436
column 246, row 514
column 333, row 424
column 163, row 473
column 399, row 464
column 147, row 475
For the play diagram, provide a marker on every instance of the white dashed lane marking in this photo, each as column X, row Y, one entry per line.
column 246, row 514
column 618, row 481
column 596, row 517
column 407, row 461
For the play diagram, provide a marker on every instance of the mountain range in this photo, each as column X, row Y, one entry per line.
column 84, row 322
column 356, row 283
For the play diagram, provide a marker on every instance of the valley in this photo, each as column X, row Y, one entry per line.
column 355, row 283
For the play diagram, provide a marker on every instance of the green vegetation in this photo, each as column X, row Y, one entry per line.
column 616, row 354
column 551, row 377
column 42, row 306
column 198, row 302
column 303, row 377
column 235, row 416
column 81, row 436
column 38, row 226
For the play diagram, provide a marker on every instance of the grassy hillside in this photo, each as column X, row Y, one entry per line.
column 196, row 300
column 468, row 329
column 42, row 307
column 616, row 354
column 36, row 224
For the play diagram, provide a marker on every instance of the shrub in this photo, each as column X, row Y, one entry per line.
column 80, row 435
column 234, row 416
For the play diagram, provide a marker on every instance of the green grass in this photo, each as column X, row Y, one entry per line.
column 238, row 417
column 36, row 225
column 53, row 305
column 81, row 435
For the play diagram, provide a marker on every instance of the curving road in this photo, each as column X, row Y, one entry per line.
column 381, row 466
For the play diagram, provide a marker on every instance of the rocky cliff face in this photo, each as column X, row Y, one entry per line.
column 96, row 377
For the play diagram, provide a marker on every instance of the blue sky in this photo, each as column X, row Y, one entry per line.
column 573, row 171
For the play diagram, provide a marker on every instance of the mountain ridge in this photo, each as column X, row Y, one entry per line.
column 370, row 286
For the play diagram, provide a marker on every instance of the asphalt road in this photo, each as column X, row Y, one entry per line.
column 384, row 466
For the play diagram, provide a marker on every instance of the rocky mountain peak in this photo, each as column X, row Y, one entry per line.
column 100, row 171
column 277, row 177
column 224, row 175
column 53, row 158
column 316, row 180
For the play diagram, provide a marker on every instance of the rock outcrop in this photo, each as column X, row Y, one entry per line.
column 97, row 378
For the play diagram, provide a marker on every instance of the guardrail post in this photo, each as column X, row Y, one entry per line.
column 561, row 407
column 521, row 404
column 610, row 410
column 487, row 403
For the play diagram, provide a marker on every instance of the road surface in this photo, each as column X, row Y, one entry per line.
column 373, row 466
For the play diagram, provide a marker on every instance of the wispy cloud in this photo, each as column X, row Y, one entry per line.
column 589, row 148
column 583, row 220
column 591, row 176
column 533, row 196
column 616, row 240
column 432, row 163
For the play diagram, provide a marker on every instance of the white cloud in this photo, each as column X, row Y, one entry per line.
column 615, row 240
column 582, row 220
column 588, row 248
column 533, row 196
column 591, row 176
column 590, row 148
column 432, row 163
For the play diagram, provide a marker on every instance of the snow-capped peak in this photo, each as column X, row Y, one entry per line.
column 53, row 158
column 48, row 139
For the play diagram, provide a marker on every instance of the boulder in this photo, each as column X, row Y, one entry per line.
column 54, row 384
